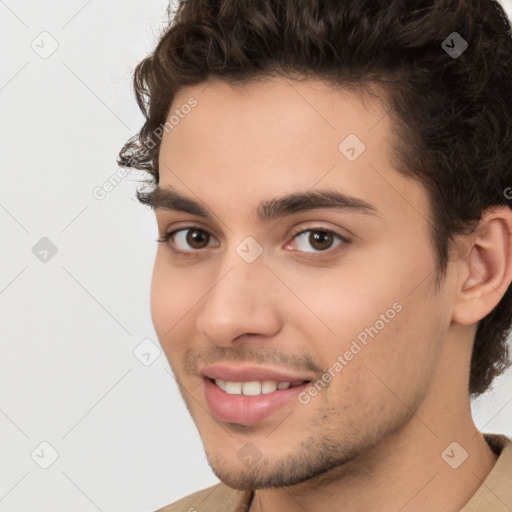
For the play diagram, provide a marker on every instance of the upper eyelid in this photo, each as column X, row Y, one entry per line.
column 295, row 232
column 163, row 218
column 301, row 230
column 188, row 227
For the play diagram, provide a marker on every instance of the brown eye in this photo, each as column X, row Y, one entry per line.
column 321, row 239
column 315, row 240
column 197, row 238
column 188, row 240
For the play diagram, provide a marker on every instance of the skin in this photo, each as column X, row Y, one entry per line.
column 372, row 440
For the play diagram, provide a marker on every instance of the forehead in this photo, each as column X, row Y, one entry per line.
column 279, row 104
column 275, row 136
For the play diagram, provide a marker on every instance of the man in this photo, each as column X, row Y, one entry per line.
column 332, row 282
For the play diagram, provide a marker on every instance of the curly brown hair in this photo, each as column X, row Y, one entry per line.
column 452, row 114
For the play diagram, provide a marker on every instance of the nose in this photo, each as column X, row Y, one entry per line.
column 240, row 302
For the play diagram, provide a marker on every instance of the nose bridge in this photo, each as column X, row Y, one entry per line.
column 238, row 301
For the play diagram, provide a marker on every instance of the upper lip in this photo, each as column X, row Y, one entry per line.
column 247, row 373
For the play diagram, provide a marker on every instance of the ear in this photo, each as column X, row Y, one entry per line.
column 485, row 272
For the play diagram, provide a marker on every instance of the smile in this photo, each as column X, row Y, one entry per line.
column 255, row 387
column 248, row 395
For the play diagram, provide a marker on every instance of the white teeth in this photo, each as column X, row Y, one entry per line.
column 268, row 386
column 221, row 383
column 233, row 388
column 252, row 388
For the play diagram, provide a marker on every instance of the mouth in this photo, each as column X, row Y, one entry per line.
column 249, row 395
column 254, row 388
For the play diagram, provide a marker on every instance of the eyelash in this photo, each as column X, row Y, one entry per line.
column 195, row 253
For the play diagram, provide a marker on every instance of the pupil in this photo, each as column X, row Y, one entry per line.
column 320, row 239
column 195, row 237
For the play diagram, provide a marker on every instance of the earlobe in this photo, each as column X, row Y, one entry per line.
column 486, row 270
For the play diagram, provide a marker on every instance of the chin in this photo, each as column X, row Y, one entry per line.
column 265, row 473
column 238, row 476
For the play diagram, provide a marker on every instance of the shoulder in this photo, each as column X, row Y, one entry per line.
column 495, row 493
column 217, row 498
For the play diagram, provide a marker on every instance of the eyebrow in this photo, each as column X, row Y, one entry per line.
column 169, row 199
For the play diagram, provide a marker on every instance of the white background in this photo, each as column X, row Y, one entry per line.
column 69, row 326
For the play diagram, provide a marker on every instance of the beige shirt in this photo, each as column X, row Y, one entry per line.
column 494, row 495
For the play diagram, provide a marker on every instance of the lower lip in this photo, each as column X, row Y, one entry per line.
column 247, row 410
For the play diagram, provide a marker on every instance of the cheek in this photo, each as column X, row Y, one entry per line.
column 379, row 309
column 390, row 350
column 172, row 299
column 379, row 289
column 340, row 304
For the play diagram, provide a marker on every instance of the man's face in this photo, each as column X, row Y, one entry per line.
column 334, row 306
